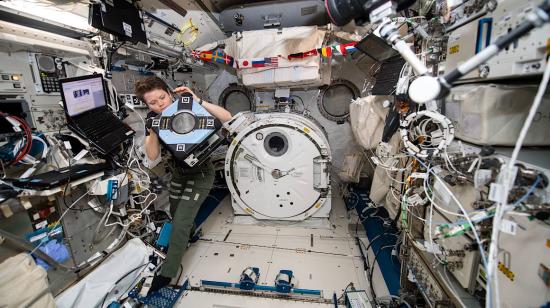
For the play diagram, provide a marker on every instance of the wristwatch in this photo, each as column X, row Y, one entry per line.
column 200, row 101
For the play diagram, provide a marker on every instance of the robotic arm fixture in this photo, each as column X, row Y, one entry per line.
column 426, row 87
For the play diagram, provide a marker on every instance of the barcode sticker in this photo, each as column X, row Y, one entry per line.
column 508, row 226
column 127, row 29
column 496, row 193
column 414, row 199
column 442, row 193
column 482, row 177
column 80, row 155
column 419, row 175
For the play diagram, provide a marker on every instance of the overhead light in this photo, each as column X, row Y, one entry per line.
column 52, row 12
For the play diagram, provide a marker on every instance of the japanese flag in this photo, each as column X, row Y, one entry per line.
column 244, row 63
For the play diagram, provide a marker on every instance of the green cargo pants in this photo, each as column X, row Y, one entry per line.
column 188, row 190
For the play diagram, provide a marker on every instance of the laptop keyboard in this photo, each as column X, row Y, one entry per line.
column 101, row 125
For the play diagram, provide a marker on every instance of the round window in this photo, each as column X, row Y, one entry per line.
column 236, row 99
column 335, row 99
column 276, row 144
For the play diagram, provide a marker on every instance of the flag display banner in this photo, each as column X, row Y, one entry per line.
column 219, row 56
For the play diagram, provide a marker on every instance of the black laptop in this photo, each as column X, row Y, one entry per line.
column 85, row 101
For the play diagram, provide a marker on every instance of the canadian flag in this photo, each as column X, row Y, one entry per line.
column 244, row 63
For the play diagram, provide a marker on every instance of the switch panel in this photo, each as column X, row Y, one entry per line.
column 12, row 83
column 48, row 118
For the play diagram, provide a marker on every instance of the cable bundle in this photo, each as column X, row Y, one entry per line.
column 23, row 146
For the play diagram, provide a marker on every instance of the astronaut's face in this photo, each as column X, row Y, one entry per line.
column 157, row 100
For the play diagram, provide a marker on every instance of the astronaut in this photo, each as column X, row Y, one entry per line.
column 189, row 187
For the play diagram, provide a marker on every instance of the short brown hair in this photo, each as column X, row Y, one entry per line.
column 147, row 84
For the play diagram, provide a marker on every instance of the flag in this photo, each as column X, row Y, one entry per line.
column 206, row 56
column 299, row 55
column 196, row 54
column 350, row 47
column 259, row 62
column 326, row 52
column 346, row 48
column 218, row 57
column 272, row 61
column 228, row 60
column 244, row 63
column 310, row 53
column 302, row 55
column 336, row 50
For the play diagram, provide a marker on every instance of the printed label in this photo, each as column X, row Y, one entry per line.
column 454, row 49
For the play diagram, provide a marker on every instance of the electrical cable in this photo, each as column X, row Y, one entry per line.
column 343, row 293
column 397, row 298
column 193, row 31
column 20, row 149
column 181, row 273
column 379, row 236
column 430, row 236
column 279, row 248
column 430, row 198
column 465, row 213
column 69, row 207
column 96, row 232
column 120, row 279
column 373, row 292
column 492, row 291
column 365, row 261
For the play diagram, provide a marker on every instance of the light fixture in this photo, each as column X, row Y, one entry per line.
column 53, row 13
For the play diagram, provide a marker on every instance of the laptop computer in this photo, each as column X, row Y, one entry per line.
column 85, row 102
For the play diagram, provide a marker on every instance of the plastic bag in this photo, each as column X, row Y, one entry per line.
column 367, row 116
column 55, row 250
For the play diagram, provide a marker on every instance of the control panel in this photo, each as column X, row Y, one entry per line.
column 47, row 70
column 462, row 255
column 11, row 82
column 420, row 274
column 479, row 23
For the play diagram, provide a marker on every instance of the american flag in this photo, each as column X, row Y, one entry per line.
column 272, row 61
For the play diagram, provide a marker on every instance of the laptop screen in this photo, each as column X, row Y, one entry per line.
column 83, row 95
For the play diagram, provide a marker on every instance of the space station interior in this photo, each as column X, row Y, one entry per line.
column 296, row 153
